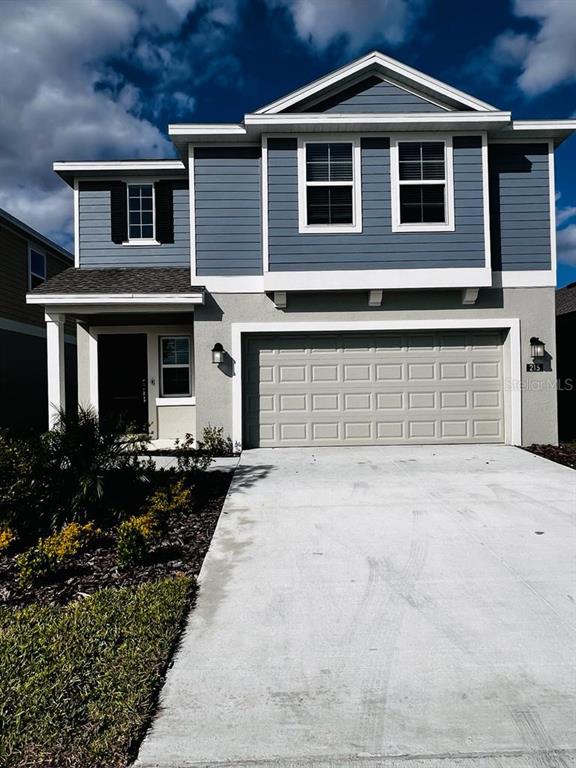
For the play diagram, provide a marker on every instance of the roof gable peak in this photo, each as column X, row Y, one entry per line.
column 378, row 63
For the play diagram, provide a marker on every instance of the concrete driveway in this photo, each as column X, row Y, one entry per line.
column 406, row 606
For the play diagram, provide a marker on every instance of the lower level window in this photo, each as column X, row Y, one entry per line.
column 175, row 366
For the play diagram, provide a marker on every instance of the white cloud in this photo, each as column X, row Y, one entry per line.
column 565, row 214
column 61, row 98
column 544, row 59
column 566, row 244
column 551, row 57
column 321, row 23
column 50, row 106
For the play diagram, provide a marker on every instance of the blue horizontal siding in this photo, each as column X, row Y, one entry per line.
column 371, row 95
column 376, row 247
column 98, row 250
column 227, row 192
column 520, row 206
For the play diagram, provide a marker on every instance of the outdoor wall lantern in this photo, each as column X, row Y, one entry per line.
column 218, row 354
column 537, row 348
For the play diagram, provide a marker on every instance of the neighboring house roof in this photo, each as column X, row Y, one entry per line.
column 128, row 280
column 21, row 228
column 566, row 299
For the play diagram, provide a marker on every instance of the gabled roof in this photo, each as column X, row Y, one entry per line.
column 377, row 63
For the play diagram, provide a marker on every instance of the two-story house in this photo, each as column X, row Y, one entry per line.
column 368, row 260
column 27, row 259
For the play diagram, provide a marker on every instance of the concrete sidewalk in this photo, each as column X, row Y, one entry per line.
column 395, row 606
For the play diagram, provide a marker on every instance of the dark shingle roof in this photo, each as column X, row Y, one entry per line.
column 128, row 280
column 566, row 299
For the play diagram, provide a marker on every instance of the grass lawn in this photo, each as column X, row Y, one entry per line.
column 78, row 683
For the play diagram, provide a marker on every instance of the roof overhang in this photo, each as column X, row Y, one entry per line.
column 376, row 62
column 295, row 122
column 77, row 170
column 416, row 121
column 164, row 301
column 539, row 130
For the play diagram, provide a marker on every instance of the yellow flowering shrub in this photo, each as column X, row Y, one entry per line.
column 134, row 537
column 7, row 537
column 70, row 541
column 167, row 501
column 55, row 551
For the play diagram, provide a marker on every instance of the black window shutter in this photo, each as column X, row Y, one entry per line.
column 164, row 203
column 118, row 212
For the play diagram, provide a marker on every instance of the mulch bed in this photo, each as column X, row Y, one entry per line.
column 182, row 550
column 561, row 454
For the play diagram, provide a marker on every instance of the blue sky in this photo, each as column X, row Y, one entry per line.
column 100, row 79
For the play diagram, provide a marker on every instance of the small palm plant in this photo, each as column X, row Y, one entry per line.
column 89, row 459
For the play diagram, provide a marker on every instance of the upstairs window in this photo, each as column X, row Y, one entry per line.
column 329, row 186
column 36, row 268
column 422, row 195
column 175, row 366
column 141, row 212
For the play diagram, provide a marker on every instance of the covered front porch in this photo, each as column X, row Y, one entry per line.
column 135, row 347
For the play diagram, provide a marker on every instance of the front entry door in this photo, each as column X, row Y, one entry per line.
column 123, row 380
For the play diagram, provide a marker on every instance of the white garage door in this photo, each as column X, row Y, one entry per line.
column 373, row 389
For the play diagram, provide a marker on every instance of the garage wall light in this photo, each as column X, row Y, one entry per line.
column 537, row 347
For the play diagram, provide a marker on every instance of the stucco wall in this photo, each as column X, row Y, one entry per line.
column 533, row 306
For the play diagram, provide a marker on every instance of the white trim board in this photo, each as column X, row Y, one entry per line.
column 165, row 401
column 513, row 414
column 119, row 165
column 420, row 121
column 192, row 204
column 525, row 278
column 76, row 224
column 61, row 299
column 264, row 203
column 365, row 279
column 552, row 188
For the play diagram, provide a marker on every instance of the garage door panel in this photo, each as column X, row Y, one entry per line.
column 378, row 388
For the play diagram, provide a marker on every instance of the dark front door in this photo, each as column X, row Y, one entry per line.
column 123, row 380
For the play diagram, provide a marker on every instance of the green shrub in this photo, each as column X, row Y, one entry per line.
column 55, row 552
column 78, row 683
column 134, row 538
column 33, row 565
column 76, row 472
column 190, row 459
column 215, row 443
column 169, row 501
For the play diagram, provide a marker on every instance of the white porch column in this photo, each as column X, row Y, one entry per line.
column 56, row 369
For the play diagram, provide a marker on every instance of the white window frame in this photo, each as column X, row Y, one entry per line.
column 163, row 365
column 303, row 184
column 42, row 253
column 141, row 240
column 446, row 226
